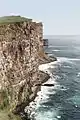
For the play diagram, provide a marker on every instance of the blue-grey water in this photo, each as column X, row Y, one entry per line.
column 62, row 102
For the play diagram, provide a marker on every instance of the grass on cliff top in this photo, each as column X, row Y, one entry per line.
column 13, row 19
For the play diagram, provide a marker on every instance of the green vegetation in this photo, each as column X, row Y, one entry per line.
column 7, row 115
column 13, row 19
column 5, row 110
column 4, row 99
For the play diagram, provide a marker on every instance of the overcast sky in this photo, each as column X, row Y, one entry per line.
column 59, row 17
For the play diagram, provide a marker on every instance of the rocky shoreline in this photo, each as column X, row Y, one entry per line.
column 28, row 111
column 22, row 112
column 21, row 53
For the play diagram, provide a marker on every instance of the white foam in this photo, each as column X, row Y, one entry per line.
column 73, row 59
column 45, row 67
column 58, row 46
column 58, row 117
column 78, row 74
column 65, row 59
column 56, row 50
column 50, row 54
column 76, row 106
column 66, row 66
column 50, row 46
column 51, row 80
column 47, row 115
column 43, row 95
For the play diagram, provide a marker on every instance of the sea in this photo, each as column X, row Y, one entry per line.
column 61, row 101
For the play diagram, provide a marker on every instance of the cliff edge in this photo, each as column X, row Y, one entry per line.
column 21, row 52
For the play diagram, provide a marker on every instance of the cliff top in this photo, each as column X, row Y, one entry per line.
column 13, row 19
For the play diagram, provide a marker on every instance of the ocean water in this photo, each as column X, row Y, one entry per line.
column 61, row 101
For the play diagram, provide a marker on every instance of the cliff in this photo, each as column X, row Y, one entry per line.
column 21, row 50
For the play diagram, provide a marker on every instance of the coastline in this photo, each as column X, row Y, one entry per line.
column 44, row 77
column 21, row 55
column 30, row 105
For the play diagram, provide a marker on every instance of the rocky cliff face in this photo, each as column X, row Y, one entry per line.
column 20, row 44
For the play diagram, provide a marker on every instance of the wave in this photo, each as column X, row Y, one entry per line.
column 66, row 66
column 50, row 46
column 74, row 59
column 50, row 54
column 48, row 115
column 56, row 50
column 43, row 95
column 78, row 74
column 65, row 59
column 45, row 67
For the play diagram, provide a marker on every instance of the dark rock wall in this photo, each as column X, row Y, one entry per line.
column 19, row 61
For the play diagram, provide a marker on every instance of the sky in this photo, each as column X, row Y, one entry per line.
column 59, row 17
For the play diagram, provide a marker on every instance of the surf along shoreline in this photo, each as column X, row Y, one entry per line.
column 44, row 77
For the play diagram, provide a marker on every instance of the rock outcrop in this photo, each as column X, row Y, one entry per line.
column 20, row 43
column 21, row 52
